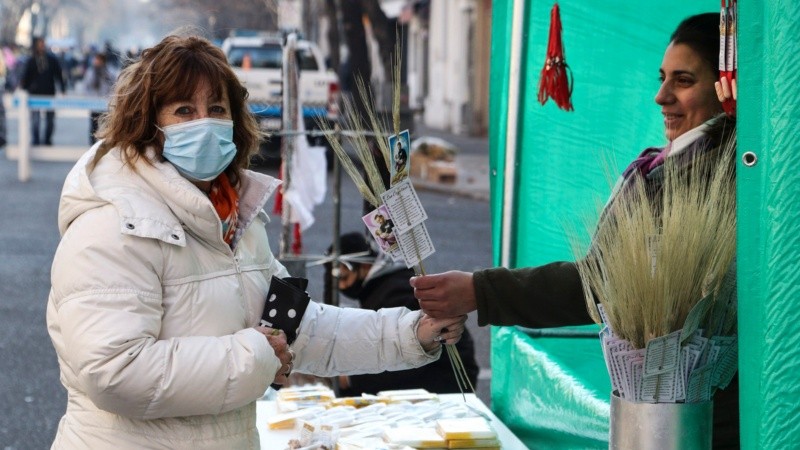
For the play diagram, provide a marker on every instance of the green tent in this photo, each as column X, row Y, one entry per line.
column 550, row 169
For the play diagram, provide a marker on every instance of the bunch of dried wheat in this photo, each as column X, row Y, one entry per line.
column 371, row 185
column 654, row 256
column 358, row 135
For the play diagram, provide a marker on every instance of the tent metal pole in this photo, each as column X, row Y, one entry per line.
column 509, row 172
column 289, row 94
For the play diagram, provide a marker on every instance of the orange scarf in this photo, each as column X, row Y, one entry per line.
column 226, row 201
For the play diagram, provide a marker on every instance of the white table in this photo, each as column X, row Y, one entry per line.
column 277, row 439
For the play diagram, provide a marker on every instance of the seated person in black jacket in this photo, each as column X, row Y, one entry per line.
column 376, row 281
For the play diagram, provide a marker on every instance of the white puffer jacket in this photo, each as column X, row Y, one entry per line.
column 151, row 314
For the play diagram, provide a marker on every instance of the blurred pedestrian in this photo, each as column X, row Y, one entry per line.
column 112, row 55
column 131, row 56
column 164, row 267
column 3, row 74
column 10, row 61
column 42, row 71
column 98, row 81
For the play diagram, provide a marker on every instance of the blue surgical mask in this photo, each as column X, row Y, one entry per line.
column 200, row 149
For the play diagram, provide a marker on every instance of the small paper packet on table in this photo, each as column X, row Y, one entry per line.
column 417, row 437
column 464, row 428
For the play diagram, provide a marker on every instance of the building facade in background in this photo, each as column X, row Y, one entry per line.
column 446, row 46
column 448, row 64
column 446, row 43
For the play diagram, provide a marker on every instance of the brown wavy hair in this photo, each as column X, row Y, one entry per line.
column 166, row 73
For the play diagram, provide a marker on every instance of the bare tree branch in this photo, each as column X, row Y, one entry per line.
column 227, row 16
column 332, row 11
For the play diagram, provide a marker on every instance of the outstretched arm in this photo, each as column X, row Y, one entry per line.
column 545, row 296
column 445, row 294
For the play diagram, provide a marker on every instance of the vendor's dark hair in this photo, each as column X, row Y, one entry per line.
column 701, row 33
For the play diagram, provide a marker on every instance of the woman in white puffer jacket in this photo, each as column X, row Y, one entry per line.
column 159, row 281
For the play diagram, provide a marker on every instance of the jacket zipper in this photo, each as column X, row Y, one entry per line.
column 236, row 264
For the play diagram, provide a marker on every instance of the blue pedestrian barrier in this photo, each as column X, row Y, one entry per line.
column 40, row 102
column 24, row 103
column 23, row 152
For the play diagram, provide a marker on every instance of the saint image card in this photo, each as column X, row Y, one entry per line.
column 400, row 151
column 381, row 227
column 404, row 206
column 416, row 245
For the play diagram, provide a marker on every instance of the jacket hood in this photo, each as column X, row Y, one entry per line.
column 153, row 200
column 383, row 266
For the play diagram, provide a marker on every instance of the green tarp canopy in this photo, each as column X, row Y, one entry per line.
column 551, row 169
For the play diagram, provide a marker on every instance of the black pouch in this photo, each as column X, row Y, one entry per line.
column 285, row 305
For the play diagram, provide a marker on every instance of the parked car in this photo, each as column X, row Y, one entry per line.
column 257, row 61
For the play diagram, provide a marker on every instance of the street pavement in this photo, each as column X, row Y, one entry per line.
column 31, row 396
column 471, row 160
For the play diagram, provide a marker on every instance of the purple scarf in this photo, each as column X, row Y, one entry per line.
column 648, row 160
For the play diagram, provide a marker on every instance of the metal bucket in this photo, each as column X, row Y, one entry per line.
column 662, row 426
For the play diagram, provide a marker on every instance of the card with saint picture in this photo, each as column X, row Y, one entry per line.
column 381, row 227
column 400, row 155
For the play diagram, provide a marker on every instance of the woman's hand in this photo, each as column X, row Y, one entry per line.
column 277, row 340
column 447, row 294
column 432, row 332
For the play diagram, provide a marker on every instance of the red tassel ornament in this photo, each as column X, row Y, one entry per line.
column 556, row 78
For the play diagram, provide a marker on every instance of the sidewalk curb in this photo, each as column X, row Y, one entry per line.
column 451, row 189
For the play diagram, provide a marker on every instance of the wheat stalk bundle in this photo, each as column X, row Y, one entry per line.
column 651, row 261
column 358, row 134
column 371, row 185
